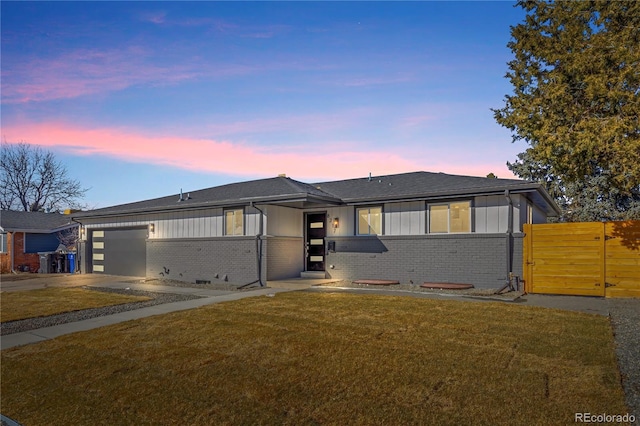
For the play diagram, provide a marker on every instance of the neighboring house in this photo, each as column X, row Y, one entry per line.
column 25, row 234
column 412, row 227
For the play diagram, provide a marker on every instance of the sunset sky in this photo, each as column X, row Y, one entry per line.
column 141, row 99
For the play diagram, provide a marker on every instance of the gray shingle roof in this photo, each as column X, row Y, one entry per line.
column 282, row 190
column 258, row 191
column 417, row 185
column 36, row 222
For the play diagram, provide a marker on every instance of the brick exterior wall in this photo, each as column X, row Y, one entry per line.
column 204, row 258
column 286, row 257
column 478, row 259
column 15, row 242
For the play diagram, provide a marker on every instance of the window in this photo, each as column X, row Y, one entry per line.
column 369, row 220
column 3, row 243
column 450, row 217
column 233, row 222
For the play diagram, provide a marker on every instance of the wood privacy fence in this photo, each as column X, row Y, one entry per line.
column 583, row 258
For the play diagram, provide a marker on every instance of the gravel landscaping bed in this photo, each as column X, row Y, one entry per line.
column 625, row 319
column 415, row 288
column 19, row 326
column 208, row 286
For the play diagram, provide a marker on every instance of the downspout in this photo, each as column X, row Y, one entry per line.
column 78, row 245
column 509, row 236
column 258, row 249
column 13, row 245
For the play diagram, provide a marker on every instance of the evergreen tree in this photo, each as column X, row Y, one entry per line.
column 576, row 102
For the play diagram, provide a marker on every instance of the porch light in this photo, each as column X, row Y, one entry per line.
column 336, row 223
column 152, row 228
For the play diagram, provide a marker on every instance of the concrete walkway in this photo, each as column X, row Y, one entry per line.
column 207, row 297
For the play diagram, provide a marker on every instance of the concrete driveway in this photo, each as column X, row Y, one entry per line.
column 21, row 282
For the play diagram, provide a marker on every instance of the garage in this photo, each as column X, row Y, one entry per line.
column 120, row 251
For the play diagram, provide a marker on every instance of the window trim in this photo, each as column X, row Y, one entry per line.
column 448, row 204
column 224, row 215
column 357, row 219
column 4, row 242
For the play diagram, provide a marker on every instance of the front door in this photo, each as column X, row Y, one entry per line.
column 316, row 231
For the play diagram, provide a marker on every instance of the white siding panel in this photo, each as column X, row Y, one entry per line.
column 406, row 218
column 496, row 220
column 480, row 211
column 194, row 224
column 252, row 221
column 519, row 212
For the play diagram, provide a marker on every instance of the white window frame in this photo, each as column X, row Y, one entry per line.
column 4, row 242
column 448, row 204
column 358, row 209
column 236, row 212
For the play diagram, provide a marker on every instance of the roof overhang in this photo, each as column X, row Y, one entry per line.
column 299, row 201
column 40, row 230
column 533, row 191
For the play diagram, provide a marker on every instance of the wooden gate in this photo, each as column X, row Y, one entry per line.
column 583, row 258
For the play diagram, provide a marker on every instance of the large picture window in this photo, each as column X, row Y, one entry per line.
column 233, row 222
column 369, row 220
column 450, row 217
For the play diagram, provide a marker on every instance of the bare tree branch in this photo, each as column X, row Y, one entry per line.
column 33, row 180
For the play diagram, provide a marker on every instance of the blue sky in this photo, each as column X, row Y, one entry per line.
column 141, row 99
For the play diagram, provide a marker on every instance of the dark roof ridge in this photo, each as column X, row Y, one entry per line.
column 419, row 172
column 306, row 187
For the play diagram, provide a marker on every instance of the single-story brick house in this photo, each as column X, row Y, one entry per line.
column 25, row 234
column 411, row 227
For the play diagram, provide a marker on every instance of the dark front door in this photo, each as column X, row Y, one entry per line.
column 316, row 231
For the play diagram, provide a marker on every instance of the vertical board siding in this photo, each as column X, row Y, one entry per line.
column 252, row 221
column 491, row 213
column 405, row 218
column 585, row 258
column 181, row 224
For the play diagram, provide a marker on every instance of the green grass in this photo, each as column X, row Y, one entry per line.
column 55, row 300
column 322, row 359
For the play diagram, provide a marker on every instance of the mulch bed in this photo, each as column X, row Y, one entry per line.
column 415, row 288
column 448, row 286
column 377, row 282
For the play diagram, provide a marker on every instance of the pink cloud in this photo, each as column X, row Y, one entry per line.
column 375, row 81
column 224, row 157
column 417, row 120
column 91, row 71
column 205, row 155
column 309, row 123
column 85, row 72
column 154, row 17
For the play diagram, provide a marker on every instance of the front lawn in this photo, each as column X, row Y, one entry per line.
column 55, row 300
column 306, row 358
